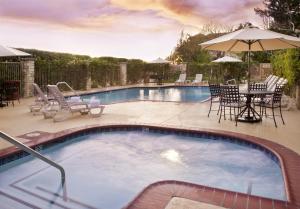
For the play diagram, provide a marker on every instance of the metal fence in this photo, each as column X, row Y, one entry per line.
column 76, row 77
column 12, row 71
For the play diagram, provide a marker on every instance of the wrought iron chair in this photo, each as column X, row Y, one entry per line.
column 12, row 91
column 274, row 102
column 214, row 96
column 259, row 98
column 230, row 97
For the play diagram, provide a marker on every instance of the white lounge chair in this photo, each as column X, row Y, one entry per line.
column 181, row 79
column 41, row 101
column 279, row 82
column 198, row 79
column 73, row 105
column 268, row 78
column 272, row 83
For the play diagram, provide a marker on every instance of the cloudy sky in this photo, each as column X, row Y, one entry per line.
column 144, row 29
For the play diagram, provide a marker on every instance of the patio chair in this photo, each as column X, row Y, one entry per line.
column 258, row 99
column 231, row 82
column 198, row 79
column 215, row 92
column 274, row 103
column 230, row 97
column 12, row 91
column 181, row 79
column 266, row 81
column 272, row 82
column 73, row 105
column 41, row 101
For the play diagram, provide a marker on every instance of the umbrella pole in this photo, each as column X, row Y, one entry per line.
column 249, row 44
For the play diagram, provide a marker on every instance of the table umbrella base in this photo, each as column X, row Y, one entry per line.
column 250, row 119
column 249, row 114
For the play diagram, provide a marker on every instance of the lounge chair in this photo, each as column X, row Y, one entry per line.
column 181, row 79
column 198, row 79
column 272, row 82
column 279, row 82
column 41, row 101
column 73, row 105
column 268, row 79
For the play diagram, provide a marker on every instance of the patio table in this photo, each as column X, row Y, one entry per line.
column 249, row 114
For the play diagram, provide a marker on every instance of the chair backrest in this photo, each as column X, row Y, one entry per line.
column 279, row 82
column 230, row 94
column 182, row 77
column 282, row 81
column 199, row 77
column 215, row 90
column 231, row 82
column 40, row 93
column 258, row 86
column 277, row 95
column 272, row 83
column 58, row 96
column 268, row 78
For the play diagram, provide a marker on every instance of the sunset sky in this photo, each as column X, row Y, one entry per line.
column 144, row 29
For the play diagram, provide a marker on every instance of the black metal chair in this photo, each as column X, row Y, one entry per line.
column 230, row 97
column 258, row 99
column 12, row 91
column 214, row 96
column 274, row 102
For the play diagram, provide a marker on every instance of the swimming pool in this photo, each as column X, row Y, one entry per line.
column 107, row 169
column 172, row 94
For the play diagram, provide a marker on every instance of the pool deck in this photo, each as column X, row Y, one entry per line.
column 17, row 121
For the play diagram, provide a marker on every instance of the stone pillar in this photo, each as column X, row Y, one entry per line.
column 183, row 67
column 88, row 80
column 27, row 65
column 123, row 73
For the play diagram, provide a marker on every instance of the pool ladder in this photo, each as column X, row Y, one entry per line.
column 35, row 154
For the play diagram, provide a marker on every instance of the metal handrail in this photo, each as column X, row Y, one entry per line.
column 63, row 82
column 35, row 154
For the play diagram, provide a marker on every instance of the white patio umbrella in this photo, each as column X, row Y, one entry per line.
column 227, row 59
column 11, row 52
column 251, row 39
column 160, row 61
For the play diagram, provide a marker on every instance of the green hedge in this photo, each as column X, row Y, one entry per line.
column 217, row 72
column 139, row 72
column 104, row 74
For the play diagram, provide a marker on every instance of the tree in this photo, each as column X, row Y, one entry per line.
column 281, row 14
column 188, row 49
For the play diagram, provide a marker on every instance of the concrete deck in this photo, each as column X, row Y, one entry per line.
column 18, row 120
column 179, row 203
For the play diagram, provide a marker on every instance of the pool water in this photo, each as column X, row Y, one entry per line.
column 172, row 94
column 107, row 170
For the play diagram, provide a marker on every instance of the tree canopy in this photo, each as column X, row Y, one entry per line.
column 281, row 14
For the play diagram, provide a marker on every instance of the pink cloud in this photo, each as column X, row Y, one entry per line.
column 103, row 13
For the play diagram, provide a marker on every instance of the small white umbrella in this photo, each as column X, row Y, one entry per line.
column 227, row 59
column 160, row 61
column 11, row 52
column 251, row 39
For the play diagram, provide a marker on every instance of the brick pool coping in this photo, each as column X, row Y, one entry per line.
column 289, row 161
